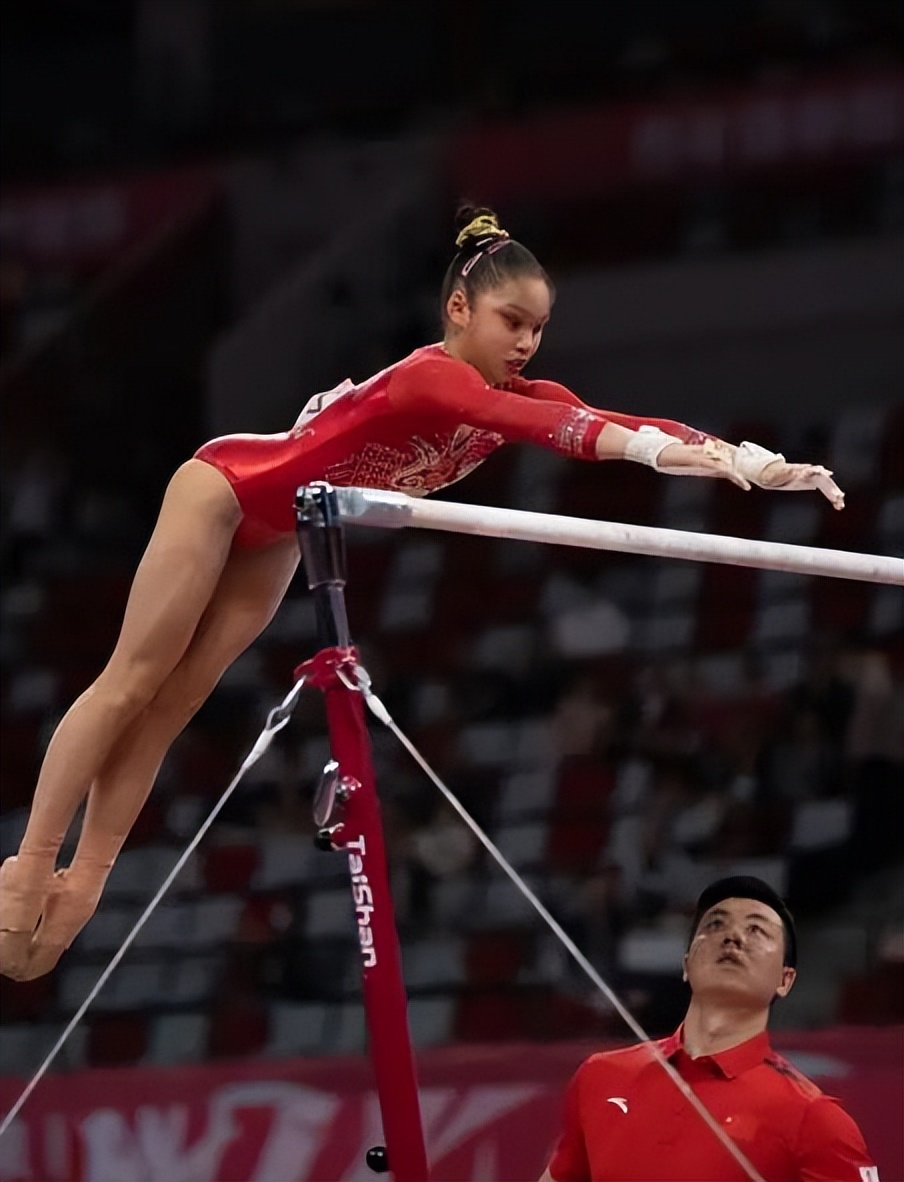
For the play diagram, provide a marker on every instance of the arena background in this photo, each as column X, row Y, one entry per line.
column 210, row 211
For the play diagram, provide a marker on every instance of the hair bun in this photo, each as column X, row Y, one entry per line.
column 477, row 225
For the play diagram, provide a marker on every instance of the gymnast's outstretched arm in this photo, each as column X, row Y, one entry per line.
column 550, row 415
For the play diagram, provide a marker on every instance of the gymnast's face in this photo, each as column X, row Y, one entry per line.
column 501, row 329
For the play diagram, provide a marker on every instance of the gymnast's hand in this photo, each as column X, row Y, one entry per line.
column 41, row 915
column 800, row 478
column 769, row 469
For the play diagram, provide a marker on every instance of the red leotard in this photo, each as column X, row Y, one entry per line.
column 417, row 426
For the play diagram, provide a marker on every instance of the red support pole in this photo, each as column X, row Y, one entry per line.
column 360, row 833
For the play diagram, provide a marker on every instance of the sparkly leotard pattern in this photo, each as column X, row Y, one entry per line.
column 415, row 427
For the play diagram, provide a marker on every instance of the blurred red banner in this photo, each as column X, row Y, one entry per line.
column 490, row 1112
column 86, row 226
column 582, row 154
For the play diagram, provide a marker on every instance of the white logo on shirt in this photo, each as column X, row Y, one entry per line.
column 622, row 1103
column 869, row 1174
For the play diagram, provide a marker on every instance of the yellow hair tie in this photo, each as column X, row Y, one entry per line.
column 485, row 225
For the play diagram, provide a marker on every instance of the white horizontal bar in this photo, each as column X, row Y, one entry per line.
column 391, row 510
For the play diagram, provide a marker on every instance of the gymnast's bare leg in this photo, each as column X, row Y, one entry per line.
column 250, row 589
column 195, row 605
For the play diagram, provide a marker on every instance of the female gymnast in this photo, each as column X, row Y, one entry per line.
column 224, row 550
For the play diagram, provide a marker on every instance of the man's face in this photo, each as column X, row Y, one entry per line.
column 737, row 954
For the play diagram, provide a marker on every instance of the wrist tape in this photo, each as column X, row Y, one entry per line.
column 645, row 445
column 751, row 460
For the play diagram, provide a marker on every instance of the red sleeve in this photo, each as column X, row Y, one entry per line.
column 542, row 412
column 569, row 1162
column 832, row 1148
column 453, row 389
column 554, row 391
column 669, row 426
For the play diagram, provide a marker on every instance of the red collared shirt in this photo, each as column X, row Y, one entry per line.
column 626, row 1119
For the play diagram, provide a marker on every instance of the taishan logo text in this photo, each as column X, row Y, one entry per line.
column 363, row 899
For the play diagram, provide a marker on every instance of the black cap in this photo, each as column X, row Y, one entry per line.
column 744, row 886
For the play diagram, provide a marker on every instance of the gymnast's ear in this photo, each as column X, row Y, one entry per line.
column 458, row 310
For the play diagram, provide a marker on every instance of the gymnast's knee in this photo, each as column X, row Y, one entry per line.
column 125, row 694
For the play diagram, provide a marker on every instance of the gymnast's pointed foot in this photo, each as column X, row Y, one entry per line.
column 39, row 922
column 71, row 902
column 25, row 881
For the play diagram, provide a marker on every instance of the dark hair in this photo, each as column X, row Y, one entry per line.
column 487, row 256
column 743, row 886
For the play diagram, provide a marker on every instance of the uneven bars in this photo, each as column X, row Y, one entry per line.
column 392, row 510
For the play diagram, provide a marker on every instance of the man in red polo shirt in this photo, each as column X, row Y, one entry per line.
column 626, row 1118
